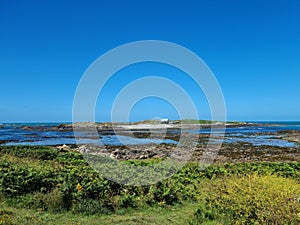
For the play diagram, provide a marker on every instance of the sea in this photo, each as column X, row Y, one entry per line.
column 13, row 134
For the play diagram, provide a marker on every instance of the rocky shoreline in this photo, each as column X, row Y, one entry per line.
column 240, row 151
column 228, row 153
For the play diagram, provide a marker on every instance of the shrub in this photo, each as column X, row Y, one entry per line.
column 18, row 179
column 33, row 152
column 90, row 207
column 6, row 217
column 252, row 199
column 52, row 201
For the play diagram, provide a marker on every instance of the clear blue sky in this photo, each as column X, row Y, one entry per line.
column 252, row 46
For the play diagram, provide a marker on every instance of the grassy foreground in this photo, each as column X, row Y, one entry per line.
column 151, row 215
column 39, row 185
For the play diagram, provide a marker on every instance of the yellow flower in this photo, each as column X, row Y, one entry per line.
column 79, row 188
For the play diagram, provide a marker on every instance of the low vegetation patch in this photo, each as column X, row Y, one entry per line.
column 251, row 199
column 42, row 179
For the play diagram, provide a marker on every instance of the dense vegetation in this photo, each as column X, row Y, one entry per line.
column 38, row 183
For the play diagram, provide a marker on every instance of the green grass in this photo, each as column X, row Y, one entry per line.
column 191, row 121
column 39, row 185
column 180, row 214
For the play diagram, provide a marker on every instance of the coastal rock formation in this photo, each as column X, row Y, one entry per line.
column 292, row 135
column 230, row 153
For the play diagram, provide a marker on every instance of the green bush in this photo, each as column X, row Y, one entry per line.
column 53, row 200
column 282, row 169
column 17, row 179
column 90, row 207
column 6, row 217
column 252, row 199
column 33, row 152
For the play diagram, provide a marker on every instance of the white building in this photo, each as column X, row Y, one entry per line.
column 164, row 121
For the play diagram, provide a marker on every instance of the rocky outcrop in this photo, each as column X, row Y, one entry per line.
column 128, row 152
column 230, row 153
